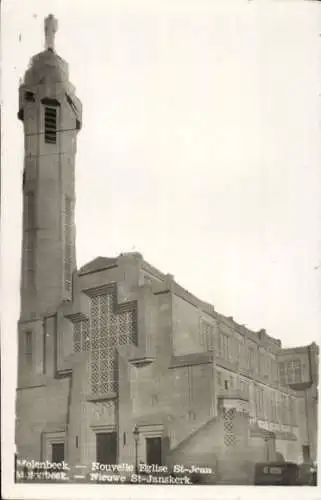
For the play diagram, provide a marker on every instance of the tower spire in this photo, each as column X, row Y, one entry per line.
column 51, row 26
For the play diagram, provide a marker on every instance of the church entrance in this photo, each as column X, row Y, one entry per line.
column 57, row 452
column 154, row 451
column 106, row 447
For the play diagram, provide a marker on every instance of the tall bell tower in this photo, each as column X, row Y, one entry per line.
column 52, row 116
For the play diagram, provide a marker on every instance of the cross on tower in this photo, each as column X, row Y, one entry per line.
column 106, row 329
column 51, row 26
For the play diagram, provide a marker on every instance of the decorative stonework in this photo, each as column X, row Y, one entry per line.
column 81, row 336
column 104, row 411
column 106, row 329
column 229, row 434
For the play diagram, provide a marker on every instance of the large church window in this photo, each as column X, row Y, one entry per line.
column 50, row 125
column 106, row 329
column 68, row 244
column 103, row 359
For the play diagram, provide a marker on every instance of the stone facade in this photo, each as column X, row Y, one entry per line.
column 298, row 369
column 118, row 345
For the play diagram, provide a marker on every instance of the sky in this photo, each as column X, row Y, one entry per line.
column 200, row 147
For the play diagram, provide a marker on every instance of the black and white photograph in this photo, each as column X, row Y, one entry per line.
column 161, row 248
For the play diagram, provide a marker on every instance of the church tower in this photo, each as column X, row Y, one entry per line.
column 51, row 116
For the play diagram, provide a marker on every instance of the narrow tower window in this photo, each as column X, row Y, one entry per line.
column 29, row 243
column 44, row 353
column 28, row 347
column 68, row 244
column 50, row 125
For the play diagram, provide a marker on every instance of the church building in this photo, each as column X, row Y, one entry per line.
column 117, row 363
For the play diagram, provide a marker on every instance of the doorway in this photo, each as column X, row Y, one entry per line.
column 106, row 447
column 57, row 452
column 154, row 451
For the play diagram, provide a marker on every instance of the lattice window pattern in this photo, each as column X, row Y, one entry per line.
column 105, row 409
column 229, row 434
column 81, row 336
column 100, row 336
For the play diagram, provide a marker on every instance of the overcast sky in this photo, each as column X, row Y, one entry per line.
column 200, row 147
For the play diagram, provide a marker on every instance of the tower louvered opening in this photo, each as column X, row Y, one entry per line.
column 50, row 125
